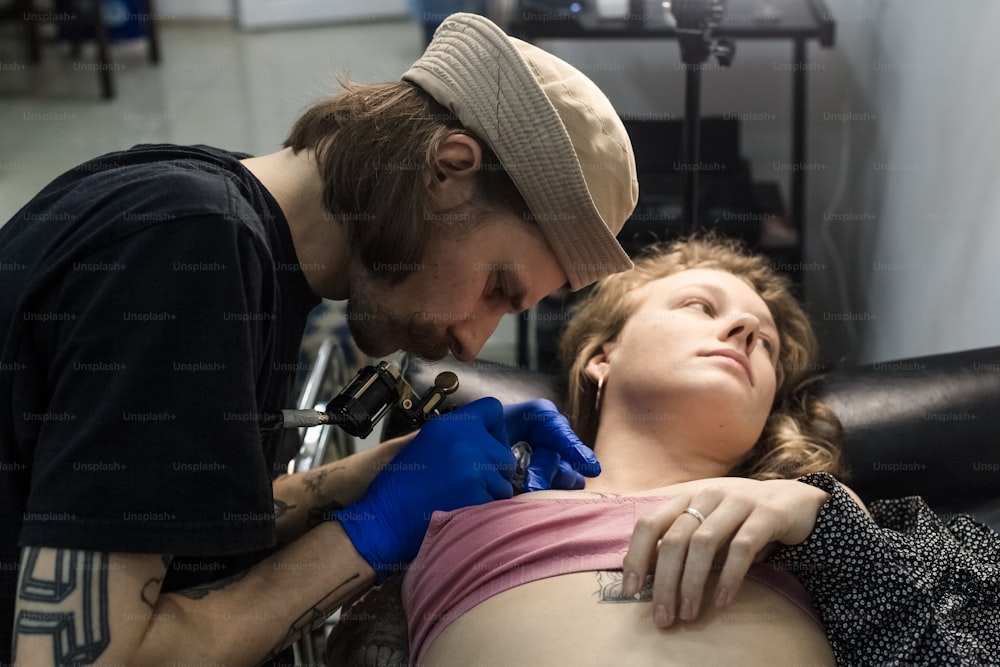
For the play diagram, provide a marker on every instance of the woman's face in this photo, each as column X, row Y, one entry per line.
column 701, row 345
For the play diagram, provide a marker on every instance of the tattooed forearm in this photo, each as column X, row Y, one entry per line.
column 609, row 589
column 200, row 591
column 66, row 600
column 314, row 616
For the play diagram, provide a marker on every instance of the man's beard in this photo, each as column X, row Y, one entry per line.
column 377, row 331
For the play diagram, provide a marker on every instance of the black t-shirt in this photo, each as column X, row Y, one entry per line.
column 152, row 306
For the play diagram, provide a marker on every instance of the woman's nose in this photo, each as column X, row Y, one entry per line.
column 744, row 328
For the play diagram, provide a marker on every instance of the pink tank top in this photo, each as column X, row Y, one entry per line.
column 474, row 553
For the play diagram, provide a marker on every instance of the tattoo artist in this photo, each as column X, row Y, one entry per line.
column 158, row 299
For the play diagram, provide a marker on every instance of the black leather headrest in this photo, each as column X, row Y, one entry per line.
column 927, row 425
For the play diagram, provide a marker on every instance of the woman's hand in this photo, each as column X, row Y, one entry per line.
column 743, row 518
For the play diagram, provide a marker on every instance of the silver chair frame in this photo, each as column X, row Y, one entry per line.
column 321, row 444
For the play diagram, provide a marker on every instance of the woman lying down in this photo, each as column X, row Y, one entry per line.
column 699, row 543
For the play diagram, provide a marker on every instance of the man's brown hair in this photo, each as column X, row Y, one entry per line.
column 373, row 144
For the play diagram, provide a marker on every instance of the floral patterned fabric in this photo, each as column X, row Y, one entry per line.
column 901, row 587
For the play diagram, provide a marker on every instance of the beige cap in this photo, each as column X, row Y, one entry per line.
column 554, row 131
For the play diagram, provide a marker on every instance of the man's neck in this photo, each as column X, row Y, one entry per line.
column 321, row 243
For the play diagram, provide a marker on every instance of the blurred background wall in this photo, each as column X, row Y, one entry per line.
column 902, row 211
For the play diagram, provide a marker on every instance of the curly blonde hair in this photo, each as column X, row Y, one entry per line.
column 801, row 435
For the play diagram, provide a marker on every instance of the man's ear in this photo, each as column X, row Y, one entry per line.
column 600, row 363
column 452, row 176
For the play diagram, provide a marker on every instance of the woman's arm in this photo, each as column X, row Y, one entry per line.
column 903, row 588
column 731, row 520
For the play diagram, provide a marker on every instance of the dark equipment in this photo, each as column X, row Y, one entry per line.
column 366, row 399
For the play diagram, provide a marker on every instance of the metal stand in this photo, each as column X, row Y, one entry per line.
column 696, row 21
column 692, row 143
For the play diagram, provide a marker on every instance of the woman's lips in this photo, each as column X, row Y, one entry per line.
column 734, row 356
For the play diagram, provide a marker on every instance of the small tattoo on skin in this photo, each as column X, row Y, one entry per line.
column 314, row 481
column 313, row 617
column 154, row 583
column 610, row 583
column 201, row 590
column 280, row 507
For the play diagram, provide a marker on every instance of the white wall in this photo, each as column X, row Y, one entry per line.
column 927, row 168
column 196, row 9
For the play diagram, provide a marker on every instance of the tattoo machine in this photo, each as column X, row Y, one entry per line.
column 373, row 392
column 522, row 458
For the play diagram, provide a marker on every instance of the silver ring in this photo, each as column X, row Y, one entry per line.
column 696, row 514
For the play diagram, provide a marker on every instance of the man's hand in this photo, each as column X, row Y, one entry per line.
column 559, row 460
column 458, row 459
column 743, row 518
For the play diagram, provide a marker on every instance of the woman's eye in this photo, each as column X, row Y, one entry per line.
column 700, row 305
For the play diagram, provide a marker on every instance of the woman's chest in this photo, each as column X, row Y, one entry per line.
column 582, row 619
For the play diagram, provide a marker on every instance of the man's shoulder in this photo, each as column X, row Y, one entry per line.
column 183, row 180
column 174, row 197
column 192, row 161
column 194, row 157
column 152, row 184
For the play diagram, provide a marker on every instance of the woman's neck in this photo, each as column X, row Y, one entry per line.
column 637, row 457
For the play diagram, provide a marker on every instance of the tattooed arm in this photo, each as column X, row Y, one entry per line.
column 301, row 499
column 77, row 607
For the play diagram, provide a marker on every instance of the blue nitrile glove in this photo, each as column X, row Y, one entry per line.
column 458, row 459
column 559, row 460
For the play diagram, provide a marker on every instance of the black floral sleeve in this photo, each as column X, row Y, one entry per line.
column 901, row 587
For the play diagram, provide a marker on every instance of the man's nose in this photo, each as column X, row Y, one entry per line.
column 469, row 336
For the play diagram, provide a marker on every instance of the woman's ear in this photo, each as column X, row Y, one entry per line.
column 451, row 177
column 600, row 363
